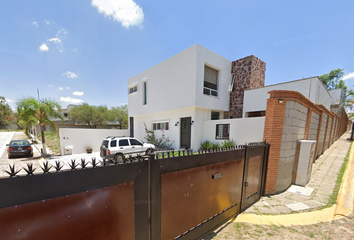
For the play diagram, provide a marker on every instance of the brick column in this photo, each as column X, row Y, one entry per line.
column 273, row 131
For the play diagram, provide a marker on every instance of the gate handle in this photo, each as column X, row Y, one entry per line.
column 246, row 184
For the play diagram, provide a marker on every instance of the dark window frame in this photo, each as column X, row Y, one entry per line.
column 222, row 131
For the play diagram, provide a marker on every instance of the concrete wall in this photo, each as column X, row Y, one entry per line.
column 328, row 133
column 177, row 83
column 338, row 96
column 293, row 130
column 313, row 129
column 241, row 130
column 322, row 134
column 79, row 139
column 311, row 88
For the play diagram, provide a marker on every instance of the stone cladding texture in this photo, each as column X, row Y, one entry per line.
column 293, row 130
column 315, row 120
column 249, row 74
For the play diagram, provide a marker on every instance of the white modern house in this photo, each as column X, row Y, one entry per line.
column 197, row 95
column 186, row 95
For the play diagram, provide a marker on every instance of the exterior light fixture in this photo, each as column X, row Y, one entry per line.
column 192, row 122
column 280, row 100
column 176, row 124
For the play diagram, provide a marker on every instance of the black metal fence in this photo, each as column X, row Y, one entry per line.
column 181, row 194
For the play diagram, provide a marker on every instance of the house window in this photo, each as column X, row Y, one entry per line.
column 255, row 114
column 210, row 81
column 65, row 114
column 144, row 93
column 215, row 115
column 161, row 125
column 222, row 131
column 133, row 89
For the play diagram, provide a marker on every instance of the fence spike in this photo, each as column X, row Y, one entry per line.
column 83, row 163
column 46, row 167
column 58, row 165
column 73, row 164
column 93, row 162
column 12, row 171
column 29, row 170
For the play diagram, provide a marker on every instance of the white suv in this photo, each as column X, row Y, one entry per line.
column 117, row 148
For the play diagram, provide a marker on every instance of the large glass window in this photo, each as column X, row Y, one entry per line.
column 210, row 81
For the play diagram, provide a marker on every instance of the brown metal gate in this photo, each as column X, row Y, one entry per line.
column 254, row 174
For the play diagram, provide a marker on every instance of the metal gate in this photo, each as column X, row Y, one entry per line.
column 254, row 174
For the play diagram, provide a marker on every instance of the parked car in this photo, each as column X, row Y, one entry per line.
column 19, row 148
column 117, row 148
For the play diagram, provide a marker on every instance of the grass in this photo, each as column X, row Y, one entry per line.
column 333, row 197
column 11, row 130
column 52, row 141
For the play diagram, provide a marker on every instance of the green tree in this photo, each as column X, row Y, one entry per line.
column 90, row 115
column 333, row 79
column 41, row 112
column 5, row 111
column 120, row 114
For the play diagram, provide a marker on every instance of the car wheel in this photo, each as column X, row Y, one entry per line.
column 119, row 158
column 149, row 151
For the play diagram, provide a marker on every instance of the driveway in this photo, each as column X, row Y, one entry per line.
column 20, row 162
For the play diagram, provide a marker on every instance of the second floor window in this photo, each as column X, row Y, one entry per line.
column 133, row 89
column 210, row 81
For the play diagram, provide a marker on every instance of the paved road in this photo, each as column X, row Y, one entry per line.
column 20, row 162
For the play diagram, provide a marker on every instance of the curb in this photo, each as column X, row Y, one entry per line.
column 344, row 206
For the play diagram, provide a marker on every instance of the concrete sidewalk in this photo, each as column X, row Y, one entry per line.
column 303, row 204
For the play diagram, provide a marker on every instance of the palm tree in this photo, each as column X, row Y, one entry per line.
column 41, row 111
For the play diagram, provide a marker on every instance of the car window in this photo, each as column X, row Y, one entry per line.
column 105, row 143
column 123, row 142
column 114, row 143
column 135, row 142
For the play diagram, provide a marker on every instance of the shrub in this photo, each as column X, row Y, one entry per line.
column 162, row 142
column 206, row 145
column 228, row 144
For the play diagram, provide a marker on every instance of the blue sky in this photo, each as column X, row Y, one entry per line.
column 84, row 51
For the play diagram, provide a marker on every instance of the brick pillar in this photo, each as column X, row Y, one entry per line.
column 249, row 74
column 273, row 130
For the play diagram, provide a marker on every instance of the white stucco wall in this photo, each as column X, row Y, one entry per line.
column 177, row 83
column 80, row 138
column 338, row 96
column 242, row 130
column 312, row 88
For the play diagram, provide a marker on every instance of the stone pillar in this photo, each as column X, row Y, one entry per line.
column 249, row 74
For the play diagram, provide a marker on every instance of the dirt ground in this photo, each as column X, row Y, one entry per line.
column 339, row 229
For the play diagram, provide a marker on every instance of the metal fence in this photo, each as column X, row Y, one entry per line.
column 183, row 195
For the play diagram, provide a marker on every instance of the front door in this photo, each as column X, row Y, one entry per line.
column 186, row 132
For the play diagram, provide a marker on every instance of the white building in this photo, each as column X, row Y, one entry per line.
column 197, row 95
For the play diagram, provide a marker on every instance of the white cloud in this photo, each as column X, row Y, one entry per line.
column 76, row 93
column 75, row 50
column 50, row 85
column 8, row 100
column 60, row 88
column 348, row 76
column 71, row 100
column 49, row 22
column 54, row 40
column 67, row 87
column 35, row 24
column 70, row 74
column 127, row 12
column 43, row 47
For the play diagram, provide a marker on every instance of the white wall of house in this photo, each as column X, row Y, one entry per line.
column 338, row 96
column 242, row 130
column 312, row 88
column 79, row 139
column 177, row 83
